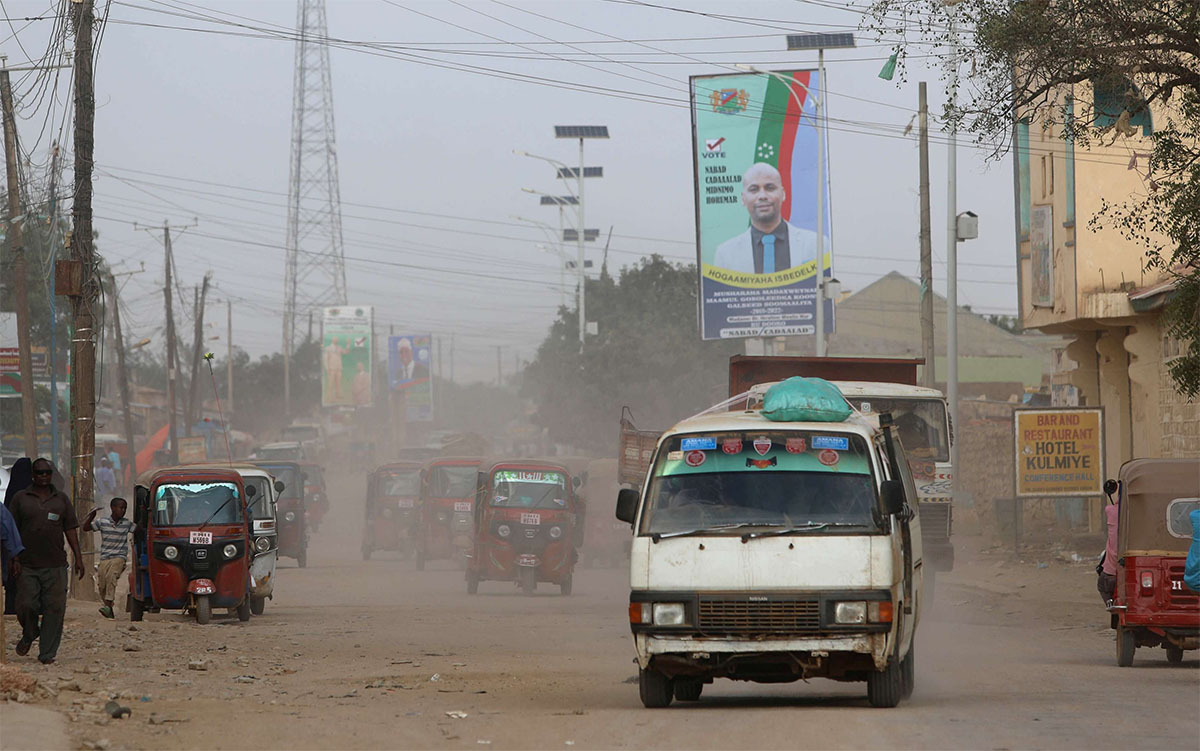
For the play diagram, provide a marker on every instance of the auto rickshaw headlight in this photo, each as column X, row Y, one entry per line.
column 442, row 516
column 262, row 544
column 504, row 530
column 289, row 516
column 669, row 614
column 171, row 553
column 230, row 551
column 555, row 533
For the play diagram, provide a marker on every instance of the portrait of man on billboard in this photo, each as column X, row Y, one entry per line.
column 407, row 367
column 769, row 244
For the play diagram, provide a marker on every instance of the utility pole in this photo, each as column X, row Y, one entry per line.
column 952, row 261
column 123, row 379
column 229, row 357
column 197, row 352
column 20, row 275
column 927, row 349
column 83, row 299
column 820, row 288
column 172, row 364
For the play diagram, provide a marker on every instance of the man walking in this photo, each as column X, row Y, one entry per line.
column 106, row 481
column 44, row 516
column 114, row 547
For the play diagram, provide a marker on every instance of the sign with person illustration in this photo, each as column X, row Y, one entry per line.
column 755, row 145
column 1059, row 452
column 346, row 344
column 409, row 358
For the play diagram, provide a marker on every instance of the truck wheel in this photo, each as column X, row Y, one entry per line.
column 565, row 587
column 472, row 582
column 885, row 688
column 1174, row 654
column 136, row 609
column 655, row 688
column 908, row 672
column 257, row 605
column 527, row 577
column 243, row 610
column 1126, row 646
column 203, row 610
column 688, row 689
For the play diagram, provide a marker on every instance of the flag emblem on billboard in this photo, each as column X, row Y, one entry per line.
column 729, row 101
column 766, row 152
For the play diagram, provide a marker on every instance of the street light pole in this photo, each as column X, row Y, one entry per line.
column 820, row 286
column 579, row 259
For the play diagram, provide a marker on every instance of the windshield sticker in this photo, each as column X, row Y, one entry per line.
column 162, row 504
column 838, row 443
column 675, row 456
column 508, row 475
column 828, row 457
column 762, row 463
column 762, row 446
column 698, row 444
column 796, row 445
column 732, row 446
column 864, row 407
column 695, row 458
column 777, row 459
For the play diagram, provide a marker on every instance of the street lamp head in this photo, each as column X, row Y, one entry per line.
column 519, row 152
column 747, row 68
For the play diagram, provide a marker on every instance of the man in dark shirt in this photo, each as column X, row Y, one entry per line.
column 44, row 516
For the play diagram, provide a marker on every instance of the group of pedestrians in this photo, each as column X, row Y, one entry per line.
column 37, row 523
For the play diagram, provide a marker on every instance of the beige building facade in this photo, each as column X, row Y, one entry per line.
column 1080, row 277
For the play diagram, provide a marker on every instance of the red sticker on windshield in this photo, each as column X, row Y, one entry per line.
column 828, row 457
column 732, row 446
column 796, row 445
column 694, row 458
column 762, row 446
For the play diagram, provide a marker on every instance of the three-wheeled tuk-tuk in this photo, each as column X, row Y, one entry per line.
column 289, row 512
column 447, row 502
column 1152, row 606
column 196, row 549
column 391, row 510
column 525, row 517
column 316, row 497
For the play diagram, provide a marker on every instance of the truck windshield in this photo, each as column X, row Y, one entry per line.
column 816, row 482
column 452, row 482
column 920, row 422
column 529, row 489
column 194, row 503
column 405, row 483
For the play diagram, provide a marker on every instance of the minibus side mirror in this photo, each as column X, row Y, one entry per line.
column 891, row 492
column 627, row 501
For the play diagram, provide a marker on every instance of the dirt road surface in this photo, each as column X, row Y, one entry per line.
column 366, row 655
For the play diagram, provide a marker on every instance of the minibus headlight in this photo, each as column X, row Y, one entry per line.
column 669, row 614
column 171, row 553
column 850, row 612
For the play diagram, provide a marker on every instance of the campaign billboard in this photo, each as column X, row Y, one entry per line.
column 346, row 345
column 409, row 358
column 754, row 142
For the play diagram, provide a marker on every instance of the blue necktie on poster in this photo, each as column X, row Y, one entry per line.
column 768, row 254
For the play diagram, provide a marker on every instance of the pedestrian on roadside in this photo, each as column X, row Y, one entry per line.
column 20, row 476
column 114, row 548
column 1191, row 568
column 44, row 516
column 106, row 481
column 10, row 548
column 1106, row 572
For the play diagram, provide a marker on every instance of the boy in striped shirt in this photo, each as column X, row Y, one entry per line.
column 114, row 546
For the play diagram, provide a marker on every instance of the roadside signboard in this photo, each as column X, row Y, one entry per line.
column 409, row 358
column 193, row 449
column 1059, row 452
column 346, row 344
column 754, row 142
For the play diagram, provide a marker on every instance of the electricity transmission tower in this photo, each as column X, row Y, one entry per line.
column 315, row 274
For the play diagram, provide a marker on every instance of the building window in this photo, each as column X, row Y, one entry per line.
column 1114, row 95
column 1041, row 247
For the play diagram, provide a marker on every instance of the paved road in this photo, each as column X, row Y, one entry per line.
column 1012, row 656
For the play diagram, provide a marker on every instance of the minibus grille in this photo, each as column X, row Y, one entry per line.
column 935, row 520
column 726, row 616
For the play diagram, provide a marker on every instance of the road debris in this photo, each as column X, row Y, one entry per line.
column 456, row 714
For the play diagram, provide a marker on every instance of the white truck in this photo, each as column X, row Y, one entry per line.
column 774, row 552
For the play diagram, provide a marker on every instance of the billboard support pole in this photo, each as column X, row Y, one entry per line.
column 582, row 238
column 819, row 112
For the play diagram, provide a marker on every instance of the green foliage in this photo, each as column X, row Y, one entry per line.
column 1024, row 59
column 1008, row 323
column 647, row 355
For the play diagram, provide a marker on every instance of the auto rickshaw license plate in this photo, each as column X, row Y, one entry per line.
column 404, row 503
column 200, row 538
column 531, row 518
column 462, row 506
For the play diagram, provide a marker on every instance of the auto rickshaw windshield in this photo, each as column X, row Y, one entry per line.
column 402, row 483
column 452, row 481
column 193, row 503
column 529, row 489
column 293, row 487
column 259, row 503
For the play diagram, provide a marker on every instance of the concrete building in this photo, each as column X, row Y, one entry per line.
column 1088, row 283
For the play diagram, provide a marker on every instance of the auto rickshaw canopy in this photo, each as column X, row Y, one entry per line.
column 1148, row 488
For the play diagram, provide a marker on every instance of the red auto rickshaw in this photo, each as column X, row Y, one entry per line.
column 1151, row 606
column 393, row 492
column 195, row 534
column 525, row 519
column 290, row 509
column 316, row 498
column 446, row 508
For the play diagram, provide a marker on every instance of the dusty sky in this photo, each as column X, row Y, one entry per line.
column 193, row 127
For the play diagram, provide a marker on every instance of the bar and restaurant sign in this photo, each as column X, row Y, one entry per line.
column 1059, row 452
